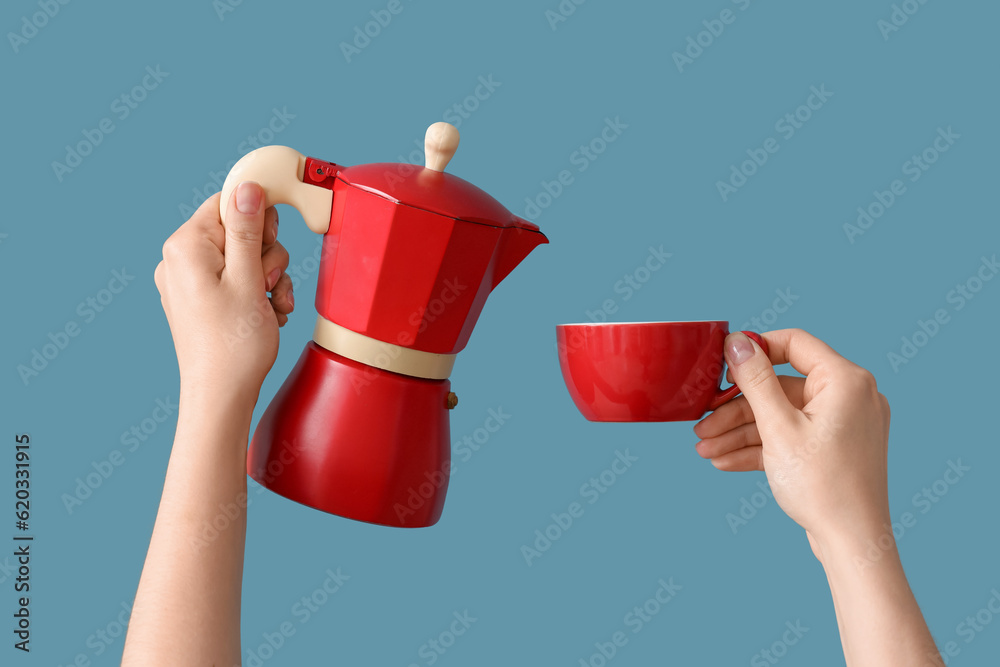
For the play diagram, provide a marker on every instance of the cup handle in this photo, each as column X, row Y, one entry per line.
column 725, row 395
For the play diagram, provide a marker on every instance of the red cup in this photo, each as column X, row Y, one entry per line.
column 646, row 371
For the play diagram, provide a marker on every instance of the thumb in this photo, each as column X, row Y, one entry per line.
column 753, row 373
column 245, row 231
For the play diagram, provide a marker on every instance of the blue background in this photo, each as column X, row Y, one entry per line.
column 655, row 185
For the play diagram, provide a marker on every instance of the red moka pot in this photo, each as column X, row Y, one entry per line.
column 410, row 254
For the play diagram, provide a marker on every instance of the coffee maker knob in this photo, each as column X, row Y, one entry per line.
column 440, row 144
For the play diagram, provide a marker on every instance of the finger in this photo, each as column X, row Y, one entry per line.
column 282, row 298
column 158, row 277
column 795, row 389
column 273, row 263
column 245, row 232
column 800, row 349
column 755, row 377
column 204, row 224
column 738, row 438
column 727, row 417
column 270, row 225
column 742, row 460
column 207, row 215
column 195, row 252
column 886, row 414
column 737, row 411
column 270, row 236
column 282, row 319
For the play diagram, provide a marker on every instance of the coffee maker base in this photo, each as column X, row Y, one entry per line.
column 356, row 441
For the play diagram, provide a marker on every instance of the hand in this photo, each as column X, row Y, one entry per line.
column 213, row 283
column 822, row 440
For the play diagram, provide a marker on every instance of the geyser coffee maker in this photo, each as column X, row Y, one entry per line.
column 360, row 428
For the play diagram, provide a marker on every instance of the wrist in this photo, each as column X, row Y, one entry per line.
column 219, row 412
column 221, row 394
column 859, row 550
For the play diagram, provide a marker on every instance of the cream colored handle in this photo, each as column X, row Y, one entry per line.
column 440, row 144
column 279, row 170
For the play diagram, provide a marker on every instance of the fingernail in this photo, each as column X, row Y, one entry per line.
column 248, row 197
column 739, row 349
column 272, row 278
column 275, row 229
column 291, row 298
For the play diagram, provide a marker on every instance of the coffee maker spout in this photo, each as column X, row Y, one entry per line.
column 515, row 244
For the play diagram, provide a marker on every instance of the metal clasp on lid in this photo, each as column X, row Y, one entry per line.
column 321, row 173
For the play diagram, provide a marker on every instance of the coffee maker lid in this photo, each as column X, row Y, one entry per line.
column 432, row 190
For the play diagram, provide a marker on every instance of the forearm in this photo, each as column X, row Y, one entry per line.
column 879, row 619
column 187, row 608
